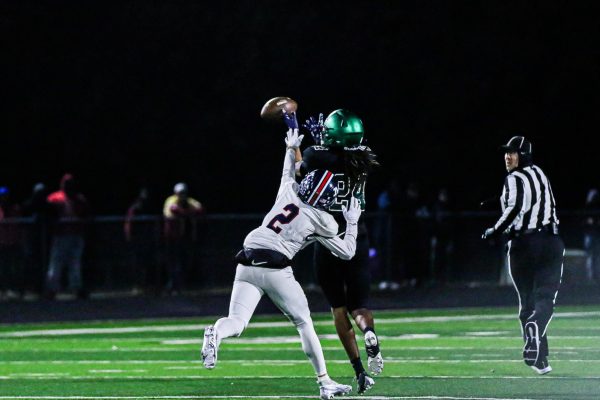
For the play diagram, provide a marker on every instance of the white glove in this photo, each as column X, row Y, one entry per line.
column 292, row 140
column 352, row 213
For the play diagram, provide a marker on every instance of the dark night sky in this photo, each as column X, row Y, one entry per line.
column 156, row 92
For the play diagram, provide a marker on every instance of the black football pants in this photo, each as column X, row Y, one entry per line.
column 536, row 268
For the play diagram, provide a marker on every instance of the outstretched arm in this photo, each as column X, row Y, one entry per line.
column 292, row 142
column 345, row 248
column 292, row 150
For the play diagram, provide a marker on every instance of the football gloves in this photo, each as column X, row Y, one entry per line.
column 352, row 213
column 290, row 119
column 292, row 140
column 315, row 127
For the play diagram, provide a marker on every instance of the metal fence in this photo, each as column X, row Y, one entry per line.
column 404, row 250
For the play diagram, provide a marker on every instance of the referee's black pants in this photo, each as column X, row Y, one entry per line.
column 536, row 269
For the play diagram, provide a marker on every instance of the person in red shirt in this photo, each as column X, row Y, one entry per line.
column 71, row 208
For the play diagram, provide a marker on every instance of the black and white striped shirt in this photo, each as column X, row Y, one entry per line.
column 527, row 201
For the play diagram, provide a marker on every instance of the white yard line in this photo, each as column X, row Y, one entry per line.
column 194, row 327
column 271, row 377
column 251, row 397
column 295, row 349
column 389, row 360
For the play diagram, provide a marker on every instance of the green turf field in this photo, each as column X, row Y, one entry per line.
column 439, row 354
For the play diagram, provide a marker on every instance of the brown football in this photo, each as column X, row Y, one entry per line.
column 272, row 110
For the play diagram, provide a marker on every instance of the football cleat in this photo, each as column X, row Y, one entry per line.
column 209, row 347
column 364, row 382
column 531, row 349
column 374, row 360
column 330, row 388
column 542, row 366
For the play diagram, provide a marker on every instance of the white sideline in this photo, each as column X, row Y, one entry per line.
column 193, row 327
column 252, row 397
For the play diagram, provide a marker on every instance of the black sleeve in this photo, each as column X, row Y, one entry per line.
column 308, row 161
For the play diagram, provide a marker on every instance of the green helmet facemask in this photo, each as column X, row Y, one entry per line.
column 343, row 128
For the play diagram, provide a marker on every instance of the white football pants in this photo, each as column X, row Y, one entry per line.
column 282, row 288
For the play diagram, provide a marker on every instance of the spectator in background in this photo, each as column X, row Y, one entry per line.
column 181, row 214
column 385, row 236
column 442, row 243
column 591, row 234
column 39, row 210
column 413, row 238
column 68, row 240
column 11, row 271
column 140, row 238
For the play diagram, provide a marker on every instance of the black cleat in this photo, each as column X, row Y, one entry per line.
column 542, row 366
column 363, row 382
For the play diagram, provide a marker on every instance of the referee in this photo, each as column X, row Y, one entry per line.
column 535, row 251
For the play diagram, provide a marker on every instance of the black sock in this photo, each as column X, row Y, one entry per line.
column 357, row 365
column 369, row 329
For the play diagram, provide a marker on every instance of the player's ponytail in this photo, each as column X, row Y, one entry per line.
column 359, row 162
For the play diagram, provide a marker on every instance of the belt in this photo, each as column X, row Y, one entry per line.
column 263, row 258
column 549, row 228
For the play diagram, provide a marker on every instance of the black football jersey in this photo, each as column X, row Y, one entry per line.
column 332, row 159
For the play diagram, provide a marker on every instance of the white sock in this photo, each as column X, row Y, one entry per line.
column 312, row 347
column 324, row 378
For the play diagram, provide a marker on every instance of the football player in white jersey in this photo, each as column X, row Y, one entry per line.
column 264, row 264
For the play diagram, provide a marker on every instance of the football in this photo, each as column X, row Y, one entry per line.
column 272, row 110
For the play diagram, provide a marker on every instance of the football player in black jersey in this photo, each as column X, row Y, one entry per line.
column 346, row 283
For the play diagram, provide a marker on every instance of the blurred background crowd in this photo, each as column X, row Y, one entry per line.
column 52, row 244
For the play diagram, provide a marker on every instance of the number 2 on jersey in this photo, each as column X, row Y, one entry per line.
column 282, row 218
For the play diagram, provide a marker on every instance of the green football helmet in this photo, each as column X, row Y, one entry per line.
column 342, row 128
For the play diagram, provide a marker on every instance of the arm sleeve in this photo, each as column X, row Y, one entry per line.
column 343, row 248
column 308, row 161
column 515, row 192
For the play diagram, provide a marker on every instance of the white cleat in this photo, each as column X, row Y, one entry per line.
column 330, row 388
column 209, row 348
column 374, row 360
column 375, row 364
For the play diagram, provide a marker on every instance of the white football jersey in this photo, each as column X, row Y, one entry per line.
column 292, row 225
column 289, row 224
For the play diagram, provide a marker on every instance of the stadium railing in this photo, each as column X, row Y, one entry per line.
column 403, row 250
